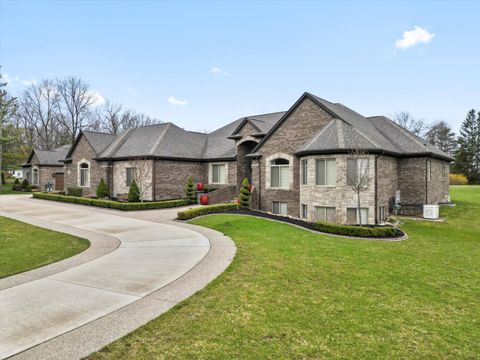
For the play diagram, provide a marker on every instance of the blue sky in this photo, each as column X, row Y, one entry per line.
column 203, row 64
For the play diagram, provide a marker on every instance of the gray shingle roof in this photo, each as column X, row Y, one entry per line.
column 50, row 157
column 99, row 141
column 350, row 130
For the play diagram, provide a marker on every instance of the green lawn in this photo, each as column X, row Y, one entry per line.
column 7, row 189
column 24, row 247
column 293, row 294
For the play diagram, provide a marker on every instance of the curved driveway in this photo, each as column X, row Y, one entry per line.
column 150, row 255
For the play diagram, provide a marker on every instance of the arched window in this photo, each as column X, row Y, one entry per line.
column 84, row 175
column 34, row 176
column 280, row 173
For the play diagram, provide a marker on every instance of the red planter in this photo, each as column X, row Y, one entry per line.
column 200, row 186
column 250, row 188
column 204, row 200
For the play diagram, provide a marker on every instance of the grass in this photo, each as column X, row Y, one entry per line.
column 7, row 188
column 24, row 247
column 297, row 295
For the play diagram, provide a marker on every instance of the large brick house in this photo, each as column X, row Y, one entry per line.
column 44, row 169
column 297, row 161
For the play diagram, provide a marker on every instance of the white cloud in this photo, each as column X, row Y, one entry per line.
column 98, row 98
column 176, row 102
column 219, row 71
column 414, row 37
column 131, row 91
column 29, row 82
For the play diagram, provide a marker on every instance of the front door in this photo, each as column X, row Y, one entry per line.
column 59, row 181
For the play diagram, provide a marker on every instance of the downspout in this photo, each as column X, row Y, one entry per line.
column 260, row 185
column 153, row 180
column 376, row 189
column 110, row 178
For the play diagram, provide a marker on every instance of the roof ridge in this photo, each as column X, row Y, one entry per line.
column 160, row 138
column 116, row 144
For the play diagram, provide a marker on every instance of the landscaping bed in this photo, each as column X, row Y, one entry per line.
column 364, row 231
column 111, row 204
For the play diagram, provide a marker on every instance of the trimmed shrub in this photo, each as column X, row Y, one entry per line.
column 133, row 192
column 74, row 191
column 24, row 184
column 245, row 194
column 110, row 203
column 190, row 191
column 352, row 230
column 458, row 179
column 102, row 190
column 16, row 182
column 205, row 210
column 17, row 187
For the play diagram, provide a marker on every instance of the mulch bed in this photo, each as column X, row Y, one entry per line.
column 303, row 223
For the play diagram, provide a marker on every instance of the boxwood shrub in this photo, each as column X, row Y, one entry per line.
column 205, row 210
column 110, row 203
column 359, row 231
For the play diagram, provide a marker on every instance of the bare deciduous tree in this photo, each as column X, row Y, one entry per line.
column 7, row 109
column 115, row 119
column 406, row 120
column 442, row 136
column 37, row 110
column 358, row 175
column 142, row 174
column 74, row 105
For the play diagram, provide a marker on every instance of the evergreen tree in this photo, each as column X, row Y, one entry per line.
column 442, row 136
column 102, row 190
column 245, row 194
column 467, row 157
column 134, row 192
column 190, row 190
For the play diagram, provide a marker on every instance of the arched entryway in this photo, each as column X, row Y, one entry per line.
column 244, row 163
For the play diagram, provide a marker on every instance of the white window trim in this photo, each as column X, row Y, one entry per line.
column 84, row 161
column 38, row 176
column 210, row 173
column 315, row 172
column 268, row 172
column 429, row 170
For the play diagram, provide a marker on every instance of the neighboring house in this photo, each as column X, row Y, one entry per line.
column 44, row 169
column 296, row 160
column 16, row 173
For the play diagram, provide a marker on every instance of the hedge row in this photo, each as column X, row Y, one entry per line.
column 205, row 210
column 110, row 203
column 359, row 231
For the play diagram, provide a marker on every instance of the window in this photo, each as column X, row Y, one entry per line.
column 279, row 208
column 35, row 176
column 381, row 213
column 219, row 174
column 304, row 172
column 304, row 211
column 429, row 171
column 326, row 172
column 357, row 169
column 353, row 218
column 84, row 176
column 326, row 214
column 444, row 171
column 131, row 172
column 279, row 173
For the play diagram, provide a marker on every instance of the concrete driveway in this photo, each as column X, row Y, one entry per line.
column 150, row 255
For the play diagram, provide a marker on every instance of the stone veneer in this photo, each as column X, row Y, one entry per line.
column 46, row 173
column 143, row 178
column 341, row 196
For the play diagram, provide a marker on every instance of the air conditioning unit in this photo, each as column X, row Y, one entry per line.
column 430, row 211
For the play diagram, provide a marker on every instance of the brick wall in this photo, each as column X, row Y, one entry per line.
column 437, row 187
column 143, row 178
column 171, row 177
column 84, row 152
column 387, row 181
column 303, row 122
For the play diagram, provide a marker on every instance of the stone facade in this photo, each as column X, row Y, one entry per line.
column 305, row 120
column 143, row 178
column 340, row 196
column 387, row 182
column 84, row 153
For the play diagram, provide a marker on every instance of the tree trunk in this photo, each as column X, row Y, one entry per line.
column 359, row 211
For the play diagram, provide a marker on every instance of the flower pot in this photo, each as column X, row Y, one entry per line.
column 204, row 200
column 200, row 186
